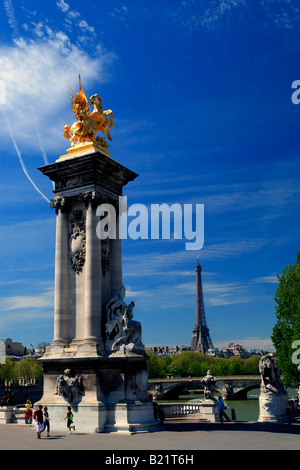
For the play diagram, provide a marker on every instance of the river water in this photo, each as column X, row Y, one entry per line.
column 245, row 410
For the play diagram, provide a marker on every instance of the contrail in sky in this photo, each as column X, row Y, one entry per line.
column 39, row 137
column 14, row 26
column 20, row 157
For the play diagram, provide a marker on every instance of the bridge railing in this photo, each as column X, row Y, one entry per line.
column 180, row 409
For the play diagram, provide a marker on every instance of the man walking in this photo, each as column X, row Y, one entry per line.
column 39, row 418
column 221, row 409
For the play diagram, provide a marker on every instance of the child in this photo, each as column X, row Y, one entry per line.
column 69, row 419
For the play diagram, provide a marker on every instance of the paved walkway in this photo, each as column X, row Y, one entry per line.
column 177, row 435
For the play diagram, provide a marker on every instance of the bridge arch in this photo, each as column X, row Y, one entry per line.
column 232, row 388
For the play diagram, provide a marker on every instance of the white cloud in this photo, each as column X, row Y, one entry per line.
column 37, row 75
column 86, row 27
column 11, row 17
column 39, row 69
column 73, row 14
column 63, row 6
column 272, row 279
column 215, row 12
column 24, row 302
column 216, row 294
column 283, row 14
column 121, row 14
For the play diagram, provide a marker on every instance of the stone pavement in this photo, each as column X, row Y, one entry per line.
column 177, row 434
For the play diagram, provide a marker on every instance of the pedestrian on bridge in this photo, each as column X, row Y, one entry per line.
column 221, row 409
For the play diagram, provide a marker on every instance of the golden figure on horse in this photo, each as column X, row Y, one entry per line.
column 89, row 122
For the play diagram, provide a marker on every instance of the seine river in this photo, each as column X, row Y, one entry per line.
column 245, row 410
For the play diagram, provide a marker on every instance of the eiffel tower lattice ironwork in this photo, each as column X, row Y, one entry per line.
column 201, row 340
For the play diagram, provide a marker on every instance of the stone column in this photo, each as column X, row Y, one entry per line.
column 93, row 278
column 84, row 181
column 116, row 259
column 61, row 274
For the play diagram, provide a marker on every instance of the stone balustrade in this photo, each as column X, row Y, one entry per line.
column 181, row 409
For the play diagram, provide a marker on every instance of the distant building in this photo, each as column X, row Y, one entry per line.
column 215, row 352
column 226, row 352
column 14, row 349
column 168, row 350
column 237, row 350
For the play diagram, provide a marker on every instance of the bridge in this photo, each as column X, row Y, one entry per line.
column 231, row 388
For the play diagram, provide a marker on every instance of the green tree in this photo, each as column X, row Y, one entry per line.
column 195, row 369
column 220, row 367
column 13, row 370
column 235, row 366
column 180, row 365
column 287, row 328
column 156, row 365
column 8, row 371
column 29, row 367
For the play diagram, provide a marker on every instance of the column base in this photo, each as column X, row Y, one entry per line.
column 209, row 411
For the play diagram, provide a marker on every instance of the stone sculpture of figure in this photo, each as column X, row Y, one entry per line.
column 270, row 375
column 115, row 311
column 227, row 391
column 209, row 386
column 89, row 122
column 122, row 331
column 273, row 397
column 131, row 331
column 70, row 387
column 8, row 398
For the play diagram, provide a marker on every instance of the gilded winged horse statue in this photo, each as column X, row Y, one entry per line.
column 89, row 122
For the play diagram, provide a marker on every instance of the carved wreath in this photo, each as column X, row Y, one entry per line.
column 78, row 241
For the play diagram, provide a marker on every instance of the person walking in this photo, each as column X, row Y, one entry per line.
column 46, row 421
column 69, row 418
column 39, row 418
column 28, row 407
column 288, row 412
column 221, row 409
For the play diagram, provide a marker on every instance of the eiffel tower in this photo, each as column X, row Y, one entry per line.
column 201, row 340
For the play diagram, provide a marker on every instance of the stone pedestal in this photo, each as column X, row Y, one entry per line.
column 210, row 411
column 7, row 415
column 112, row 398
column 105, row 384
column 272, row 407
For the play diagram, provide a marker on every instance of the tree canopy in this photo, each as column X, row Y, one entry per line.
column 13, row 370
column 196, row 364
column 286, row 332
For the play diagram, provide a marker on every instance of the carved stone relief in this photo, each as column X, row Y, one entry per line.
column 70, row 386
column 78, row 241
column 105, row 256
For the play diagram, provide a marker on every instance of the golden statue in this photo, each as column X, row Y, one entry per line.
column 89, row 122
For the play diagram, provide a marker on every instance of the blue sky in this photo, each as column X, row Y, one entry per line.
column 201, row 93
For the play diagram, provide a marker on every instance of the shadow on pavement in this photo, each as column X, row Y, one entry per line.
column 185, row 426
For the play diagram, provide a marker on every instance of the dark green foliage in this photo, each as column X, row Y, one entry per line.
column 28, row 367
column 195, row 364
column 287, row 329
